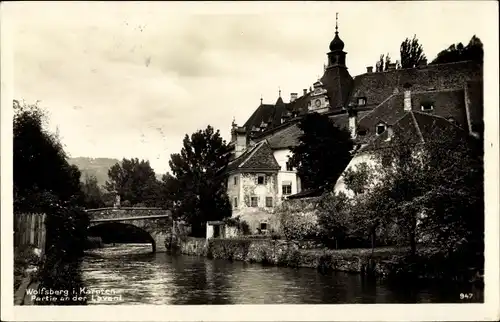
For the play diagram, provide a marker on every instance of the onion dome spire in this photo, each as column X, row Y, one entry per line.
column 337, row 44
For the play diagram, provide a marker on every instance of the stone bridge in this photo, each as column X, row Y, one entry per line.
column 156, row 222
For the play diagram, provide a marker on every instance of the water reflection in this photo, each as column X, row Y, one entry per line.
column 163, row 279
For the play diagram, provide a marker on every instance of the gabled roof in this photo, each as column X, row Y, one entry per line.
column 260, row 157
column 449, row 104
column 414, row 127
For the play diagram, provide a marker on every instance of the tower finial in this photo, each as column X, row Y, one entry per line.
column 279, row 91
column 260, row 99
column 336, row 22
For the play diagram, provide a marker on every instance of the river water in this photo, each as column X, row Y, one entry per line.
column 132, row 275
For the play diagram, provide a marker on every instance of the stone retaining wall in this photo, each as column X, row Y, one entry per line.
column 285, row 253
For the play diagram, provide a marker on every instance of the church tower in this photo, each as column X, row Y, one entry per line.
column 336, row 78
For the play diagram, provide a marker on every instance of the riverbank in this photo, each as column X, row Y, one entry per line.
column 383, row 262
column 285, row 253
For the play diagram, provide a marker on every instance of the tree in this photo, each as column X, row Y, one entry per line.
column 44, row 181
column 134, row 181
column 93, row 197
column 412, row 53
column 195, row 188
column 358, row 179
column 379, row 66
column 323, row 152
column 457, row 52
column 434, row 189
column 387, row 62
column 40, row 163
column 333, row 217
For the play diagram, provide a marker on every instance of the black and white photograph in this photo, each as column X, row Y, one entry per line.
column 208, row 156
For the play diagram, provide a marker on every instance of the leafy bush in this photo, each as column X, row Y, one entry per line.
column 298, row 219
column 229, row 248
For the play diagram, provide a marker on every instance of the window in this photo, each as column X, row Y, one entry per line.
column 261, row 179
column 286, row 188
column 427, row 107
column 289, row 166
column 362, row 132
column 362, row 101
column 235, row 202
column 380, row 129
column 254, row 202
column 269, row 201
column 235, row 179
column 263, row 226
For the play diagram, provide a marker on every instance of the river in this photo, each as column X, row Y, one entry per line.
column 132, row 275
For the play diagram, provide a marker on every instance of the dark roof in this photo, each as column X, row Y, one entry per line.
column 446, row 103
column 285, row 138
column 289, row 135
column 377, row 87
column 338, row 83
column 306, row 194
column 260, row 157
column 413, row 127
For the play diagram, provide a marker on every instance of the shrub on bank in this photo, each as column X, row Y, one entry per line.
column 298, row 219
column 236, row 249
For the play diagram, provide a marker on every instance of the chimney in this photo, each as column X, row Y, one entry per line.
column 369, row 69
column 238, row 136
column 305, row 91
column 353, row 120
column 407, row 99
column 293, row 97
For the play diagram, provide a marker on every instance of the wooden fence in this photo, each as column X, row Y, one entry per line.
column 29, row 229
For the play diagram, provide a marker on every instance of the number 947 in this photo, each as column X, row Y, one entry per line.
column 466, row 296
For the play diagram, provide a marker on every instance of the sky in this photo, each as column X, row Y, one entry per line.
column 130, row 79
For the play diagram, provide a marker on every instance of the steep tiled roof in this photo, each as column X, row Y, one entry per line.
column 260, row 157
column 446, row 103
column 377, row 87
column 414, row 127
column 338, row 84
column 385, row 89
column 285, row 138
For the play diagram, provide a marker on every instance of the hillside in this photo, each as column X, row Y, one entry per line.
column 97, row 167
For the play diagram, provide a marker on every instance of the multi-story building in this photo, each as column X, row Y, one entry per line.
column 369, row 105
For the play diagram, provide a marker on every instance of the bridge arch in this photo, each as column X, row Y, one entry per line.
column 153, row 224
column 121, row 232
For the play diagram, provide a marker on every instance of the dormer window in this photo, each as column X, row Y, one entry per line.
column 380, row 129
column 361, row 101
column 427, row 107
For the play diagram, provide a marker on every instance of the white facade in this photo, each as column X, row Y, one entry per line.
column 359, row 158
column 286, row 177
